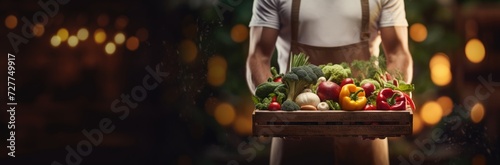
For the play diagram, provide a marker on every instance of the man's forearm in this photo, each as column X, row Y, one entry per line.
column 398, row 56
column 402, row 63
column 258, row 70
column 260, row 51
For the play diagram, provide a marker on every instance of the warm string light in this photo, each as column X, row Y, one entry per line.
column 446, row 104
column 217, row 67
column 132, row 43
column 224, row 114
column 119, row 38
column 82, row 34
column 110, row 48
column 38, row 30
column 55, row 41
column 72, row 41
column 418, row 32
column 103, row 20
column 121, row 22
column 99, row 35
column 63, row 34
column 477, row 113
column 440, row 69
column 431, row 113
column 475, row 51
column 239, row 33
column 188, row 51
column 11, row 22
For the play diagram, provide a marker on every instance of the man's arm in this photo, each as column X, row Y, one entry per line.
column 395, row 43
column 262, row 41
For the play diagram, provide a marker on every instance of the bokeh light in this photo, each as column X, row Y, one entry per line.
column 38, row 30
column 475, row 51
column 132, row 43
column 119, row 38
column 440, row 69
column 99, row 36
column 439, row 59
column 63, row 34
column 72, row 41
column 82, row 34
column 55, row 41
column 239, row 33
column 142, row 34
column 217, row 66
column 121, row 22
column 110, row 48
column 446, row 104
column 103, row 20
column 11, row 22
column 431, row 113
column 224, row 114
column 243, row 125
column 417, row 124
column 418, row 32
column 188, row 51
column 441, row 75
column 477, row 113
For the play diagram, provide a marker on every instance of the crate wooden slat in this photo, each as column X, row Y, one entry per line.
column 332, row 123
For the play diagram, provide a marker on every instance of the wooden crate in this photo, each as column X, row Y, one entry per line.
column 376, row 123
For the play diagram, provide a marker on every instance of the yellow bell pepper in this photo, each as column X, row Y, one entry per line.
column 352, row 97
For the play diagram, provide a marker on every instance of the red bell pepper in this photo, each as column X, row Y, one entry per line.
column 389, row 99
column 410, row 101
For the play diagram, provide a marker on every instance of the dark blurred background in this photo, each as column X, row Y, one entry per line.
column 91, row 53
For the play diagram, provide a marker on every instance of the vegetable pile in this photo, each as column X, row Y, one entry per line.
column 360, row 85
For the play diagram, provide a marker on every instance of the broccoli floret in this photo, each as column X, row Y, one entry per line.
column 289, row 77
column 302, row 74
column 310, row 72
column 345, row 65
column 335, row 73
column 264, row 89
column 316, row 70
column 322, row 66
column 289, row 105
column 348, row 71
column 297, row 80
column 374, row 82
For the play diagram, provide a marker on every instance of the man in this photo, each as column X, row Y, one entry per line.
column 327, row 31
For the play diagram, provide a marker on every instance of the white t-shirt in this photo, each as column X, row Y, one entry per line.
column 326, row 23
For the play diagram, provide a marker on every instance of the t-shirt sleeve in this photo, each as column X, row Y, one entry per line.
column 265, row 13
column 393, row 14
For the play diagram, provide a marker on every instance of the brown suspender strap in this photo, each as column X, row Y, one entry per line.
column 365, row 20
column 295, row 20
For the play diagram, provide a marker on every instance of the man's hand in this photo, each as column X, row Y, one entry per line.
column 395, row 43
column 262, row 41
